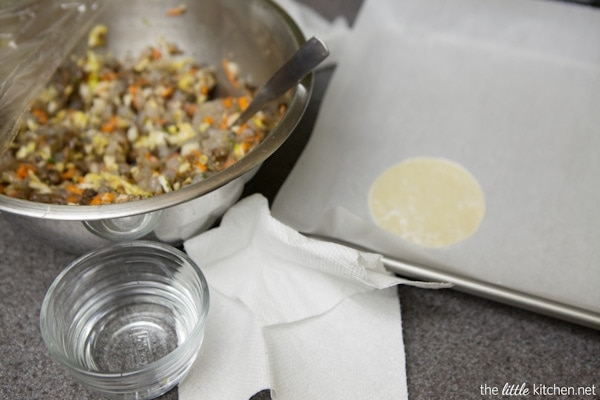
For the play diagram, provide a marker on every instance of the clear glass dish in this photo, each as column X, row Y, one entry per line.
column 127, row 320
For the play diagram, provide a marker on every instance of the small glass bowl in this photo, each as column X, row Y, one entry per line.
column 127, row 321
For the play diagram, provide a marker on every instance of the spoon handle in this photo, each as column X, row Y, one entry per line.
column 304, row 60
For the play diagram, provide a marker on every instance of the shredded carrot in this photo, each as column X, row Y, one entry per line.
column 109, row 76
column 190, row 109
column 69, row 173
column 103, row 198
column 243, row 102
column 282, row 108
column 150, row 157
column 72, row 199
column 175, row 11
column 208, row 120
column 110, row 126
column 167, row 92
column 201, row 167
column 229, row 73
column 196, row 153
column 227, row 102
column 156, row 54
column 23, row 170
column 204, row 90
column 173, row 155
column 73, row 189
column 229, row 162
column 241, row 129
column 133, row 91
column 41, row 115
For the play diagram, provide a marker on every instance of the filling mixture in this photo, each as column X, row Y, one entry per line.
column 109, row 131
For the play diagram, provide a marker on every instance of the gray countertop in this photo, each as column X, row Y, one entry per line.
column 457, row 346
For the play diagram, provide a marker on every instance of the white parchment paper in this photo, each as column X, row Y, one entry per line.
column 509, row 89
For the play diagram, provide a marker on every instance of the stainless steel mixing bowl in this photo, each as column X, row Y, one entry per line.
column 259, row 36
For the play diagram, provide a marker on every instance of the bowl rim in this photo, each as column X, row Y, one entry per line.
column 174, row 357
column 277, row 136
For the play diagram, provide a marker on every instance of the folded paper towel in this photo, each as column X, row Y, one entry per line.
column 305, row 318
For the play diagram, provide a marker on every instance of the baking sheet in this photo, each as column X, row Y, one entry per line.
column 510, row 90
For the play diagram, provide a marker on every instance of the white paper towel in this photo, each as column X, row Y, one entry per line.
column 305, row 318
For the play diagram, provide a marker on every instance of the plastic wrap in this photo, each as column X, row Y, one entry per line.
column 35, row 37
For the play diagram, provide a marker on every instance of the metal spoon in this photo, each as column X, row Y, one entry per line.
column 303, row 61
